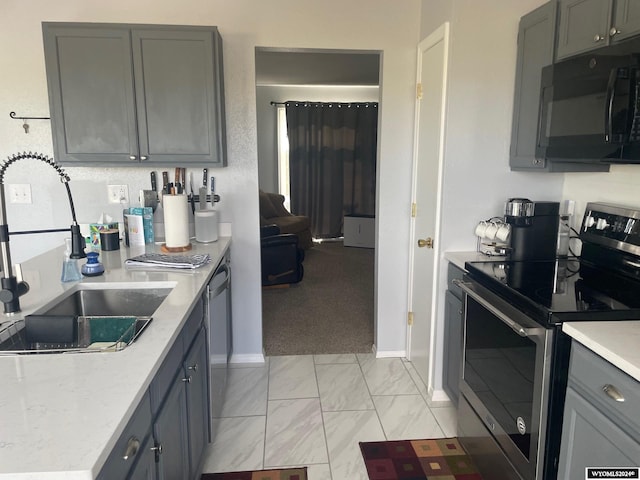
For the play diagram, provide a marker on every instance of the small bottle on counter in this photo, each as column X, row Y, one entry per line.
column 93, row 267
column 70, row 268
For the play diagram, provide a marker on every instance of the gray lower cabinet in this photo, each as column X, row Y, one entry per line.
column 170, row 434
column 535, row 50
column 197, row 389
column 135, row 94
column 585, row 25
column 601, row 425
column 453, row 335
column 167, row 436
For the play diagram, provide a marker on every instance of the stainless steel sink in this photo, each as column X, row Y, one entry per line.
column 85, row 320
column 112, row 302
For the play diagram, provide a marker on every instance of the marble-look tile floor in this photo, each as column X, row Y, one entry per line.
column 312, row 410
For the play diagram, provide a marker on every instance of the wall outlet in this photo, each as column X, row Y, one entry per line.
column 19, row 193
column 118, row 193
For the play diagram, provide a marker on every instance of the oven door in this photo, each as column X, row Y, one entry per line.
column 505, row 378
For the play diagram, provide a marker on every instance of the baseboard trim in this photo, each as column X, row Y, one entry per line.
column 438, row 396
column 390, row 354
column 247, row 358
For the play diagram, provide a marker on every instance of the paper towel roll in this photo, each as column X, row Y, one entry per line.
column 206, row 226
column 176, row 221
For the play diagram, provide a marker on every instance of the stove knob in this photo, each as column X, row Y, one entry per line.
column 589, row 221
column 601, row 224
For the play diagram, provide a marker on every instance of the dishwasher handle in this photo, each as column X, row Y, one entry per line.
column 468, row 288
column 224, row 268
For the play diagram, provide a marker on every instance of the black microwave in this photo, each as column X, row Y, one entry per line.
column 590, row 107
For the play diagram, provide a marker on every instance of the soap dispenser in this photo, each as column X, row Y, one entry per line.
column 70, row 269
column 93, row 267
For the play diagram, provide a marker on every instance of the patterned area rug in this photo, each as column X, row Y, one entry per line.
column 440, row 459
column 276, row 474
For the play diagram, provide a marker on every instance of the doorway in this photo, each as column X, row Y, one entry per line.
column 315, row 76
column 431, row 81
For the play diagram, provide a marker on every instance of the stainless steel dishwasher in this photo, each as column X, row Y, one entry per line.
column 217, row 303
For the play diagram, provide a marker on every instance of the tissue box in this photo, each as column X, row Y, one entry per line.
column 96, row 228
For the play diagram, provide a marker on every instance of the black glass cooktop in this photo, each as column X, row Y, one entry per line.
column 560, row 290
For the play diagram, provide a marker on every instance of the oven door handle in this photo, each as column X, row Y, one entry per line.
column 515, row 326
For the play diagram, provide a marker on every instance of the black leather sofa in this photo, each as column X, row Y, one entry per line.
column 281, row 257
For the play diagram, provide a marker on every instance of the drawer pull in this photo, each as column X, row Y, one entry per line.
column 187, row 379
column 157, row 449
column 613, row 392
column 133, row 445
column 193, row 367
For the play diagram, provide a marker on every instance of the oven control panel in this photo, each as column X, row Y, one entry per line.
column 612, row 226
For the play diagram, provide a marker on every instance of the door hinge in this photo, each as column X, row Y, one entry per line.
column 419, row 91
column 414, row 210
column 410, row 318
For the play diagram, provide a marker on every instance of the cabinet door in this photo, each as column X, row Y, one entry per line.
column 591, row 439
column 170, row 434
column 535, row 50
column 91, row 99
column 195, row 366
column 626, row 20
column 452, row 346
column 145, row 468
column 177, row 95
column 584, row 26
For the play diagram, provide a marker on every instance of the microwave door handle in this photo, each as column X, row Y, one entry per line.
column 611, row 93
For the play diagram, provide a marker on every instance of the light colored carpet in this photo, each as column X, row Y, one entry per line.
column 330, row 311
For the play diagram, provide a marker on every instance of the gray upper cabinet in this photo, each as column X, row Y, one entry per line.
column 135, row 94
column 535, row 50
column 589, row 24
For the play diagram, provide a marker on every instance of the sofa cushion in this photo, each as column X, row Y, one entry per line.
column 292, row 223
column 267, row 209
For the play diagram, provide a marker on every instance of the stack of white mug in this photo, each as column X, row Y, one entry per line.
column 494, row 230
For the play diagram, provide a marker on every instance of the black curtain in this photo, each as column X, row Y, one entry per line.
column 332, row 162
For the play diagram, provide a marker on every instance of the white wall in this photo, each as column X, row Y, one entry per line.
column 380, row 25
column 266, row 115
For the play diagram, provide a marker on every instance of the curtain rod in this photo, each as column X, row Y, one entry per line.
column 337, row 103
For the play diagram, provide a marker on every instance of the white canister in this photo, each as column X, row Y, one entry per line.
column 176, row 221
column 206, row 226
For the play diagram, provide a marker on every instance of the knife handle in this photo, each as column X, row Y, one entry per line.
column 165, row 182
column 204, row 177
column 154, row 182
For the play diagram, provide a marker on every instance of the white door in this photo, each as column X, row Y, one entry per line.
column 427, row 172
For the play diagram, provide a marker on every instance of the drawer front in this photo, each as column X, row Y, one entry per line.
column 454, row 273
column 130, row 444
column 592, row 375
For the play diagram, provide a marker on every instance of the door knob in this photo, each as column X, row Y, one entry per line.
column 428, row 242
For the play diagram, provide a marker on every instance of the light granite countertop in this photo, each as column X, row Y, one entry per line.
column 61, row 414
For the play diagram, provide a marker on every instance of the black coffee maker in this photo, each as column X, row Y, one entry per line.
column 534, row 229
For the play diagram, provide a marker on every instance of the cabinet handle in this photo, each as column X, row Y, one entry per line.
column 132, row 157
column 187, row 379
column 157, row 449
column 614, row 31
column 133, row 445
column 143, row 158
column 193, row 367
column 598, row 38
column 613, row 392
